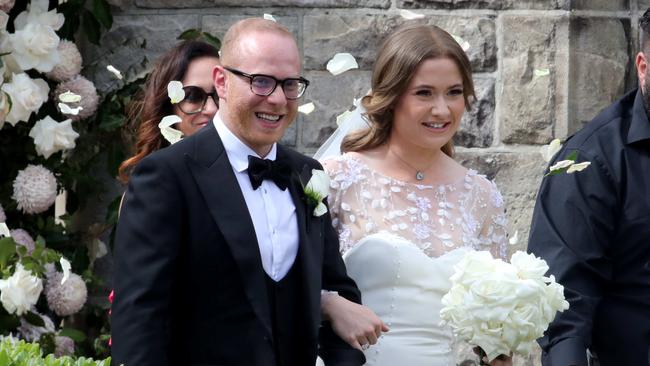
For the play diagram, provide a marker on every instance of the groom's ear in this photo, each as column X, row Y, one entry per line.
column 219, row 79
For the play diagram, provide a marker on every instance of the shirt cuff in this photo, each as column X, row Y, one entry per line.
column 568, row 352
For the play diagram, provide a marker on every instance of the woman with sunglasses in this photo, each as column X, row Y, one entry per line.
column 190, row 62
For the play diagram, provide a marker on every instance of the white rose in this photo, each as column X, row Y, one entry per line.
column 36, row 47
column 20, row 292
column 528, row 265
column 27, row 96
column 51, row 136
column 37, row 13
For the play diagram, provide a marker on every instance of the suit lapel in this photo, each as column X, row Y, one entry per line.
column 217, row 182
column 310, row 235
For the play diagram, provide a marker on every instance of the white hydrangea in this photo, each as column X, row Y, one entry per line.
column 70, row 62
column 27, row 96
column 86, row 89
column 51, row 136
column 36, row 47
column 22, row 237
column 33, row 333
column 34, row 189
column 67, row 298
column 20, row 292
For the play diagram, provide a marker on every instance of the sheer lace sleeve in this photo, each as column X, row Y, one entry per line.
column 494, row 230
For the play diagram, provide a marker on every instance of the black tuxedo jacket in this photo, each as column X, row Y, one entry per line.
column 189, row 284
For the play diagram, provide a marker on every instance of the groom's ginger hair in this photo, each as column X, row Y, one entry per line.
column 230, row 48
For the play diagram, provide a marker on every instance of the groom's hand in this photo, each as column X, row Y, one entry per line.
column 355, row 324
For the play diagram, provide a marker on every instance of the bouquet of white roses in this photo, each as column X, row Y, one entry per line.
column 501, row 307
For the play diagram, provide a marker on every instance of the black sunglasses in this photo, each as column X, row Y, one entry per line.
column 264, row 85
column 195, row 98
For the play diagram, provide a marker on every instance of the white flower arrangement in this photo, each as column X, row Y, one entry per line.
column 51, row 136
column 501, row 307
column 27, row 96
column 34, row 189
column 317, row 190
column 20, row 292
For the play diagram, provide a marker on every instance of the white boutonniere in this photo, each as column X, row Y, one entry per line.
column 568, row 165
column 317, row 190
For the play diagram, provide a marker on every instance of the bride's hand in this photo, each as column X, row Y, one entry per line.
column 355, row 324
column 501, row 360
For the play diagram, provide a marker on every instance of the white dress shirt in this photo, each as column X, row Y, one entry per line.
column 271, row 209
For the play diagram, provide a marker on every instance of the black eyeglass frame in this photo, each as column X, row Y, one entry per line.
column 276, row 80
column 213, row 94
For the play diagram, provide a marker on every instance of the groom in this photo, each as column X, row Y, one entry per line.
column 218, row 258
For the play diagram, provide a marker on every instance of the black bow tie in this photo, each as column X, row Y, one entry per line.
column 259, row 169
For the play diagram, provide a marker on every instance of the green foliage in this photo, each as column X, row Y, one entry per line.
column 197, row 34
column 15, row 352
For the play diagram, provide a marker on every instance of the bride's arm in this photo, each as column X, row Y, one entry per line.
column 356, row 324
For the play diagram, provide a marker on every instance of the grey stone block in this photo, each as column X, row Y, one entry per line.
column 599, row 4
column 332, row 95
column 175, row 4
column 477, row 125
column 529, row 102
column 485, row 4
column 598, row 66
column 361, row 35
column 517, row 175
column 122, row 46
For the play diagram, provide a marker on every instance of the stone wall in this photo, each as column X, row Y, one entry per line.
column 588, row 47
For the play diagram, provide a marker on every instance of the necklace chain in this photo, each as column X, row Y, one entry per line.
column 419, row 174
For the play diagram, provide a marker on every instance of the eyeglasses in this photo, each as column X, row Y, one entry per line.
column 195, row 98
column 264, row 85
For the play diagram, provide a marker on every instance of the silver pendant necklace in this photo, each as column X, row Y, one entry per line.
column 419, row 175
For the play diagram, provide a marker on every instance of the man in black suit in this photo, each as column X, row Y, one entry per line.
column 593, row 229
column 219, row 257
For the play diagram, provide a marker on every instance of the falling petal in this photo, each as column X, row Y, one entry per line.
column 269, row 17
column 169, row 133
column 65, row 266
column 463, row 43
column 341, row 117
column 341, row 62
column 538, row 73
column 514, row 239
column 114, row 71
column 65, row 109
column 578, row 167
column 407, row 14
column 175, row 91
column 306, row 108
column 548, row 151
column 59, row 207
column 4, row 230
column 69, row 97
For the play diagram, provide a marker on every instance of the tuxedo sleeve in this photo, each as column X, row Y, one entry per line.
column 573, row 225
column 146, row 247
column 333, row 350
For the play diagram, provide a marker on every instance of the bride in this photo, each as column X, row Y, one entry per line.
column 404, row 210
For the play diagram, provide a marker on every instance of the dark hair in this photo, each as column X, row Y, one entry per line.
column 397, row 60
column 147, row 111
column 644, row 27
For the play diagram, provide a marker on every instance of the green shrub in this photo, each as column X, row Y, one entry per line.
column 14, row 352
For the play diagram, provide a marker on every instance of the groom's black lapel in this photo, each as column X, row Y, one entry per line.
column 309, row 230
column 216, row 180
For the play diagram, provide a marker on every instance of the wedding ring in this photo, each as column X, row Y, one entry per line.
column 365, row 346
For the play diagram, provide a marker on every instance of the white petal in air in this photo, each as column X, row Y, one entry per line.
column 114, row 71
column 65, row 266
column 578, row 167
column 175, row 91
column 65, row 109
column 306, row 108
column 538, row 73
column 407, row 14
column 548, row 151
column 4, row 230
column 561, row 165
column 463, row 43
column 69, row 97
column 514, row 239
column 269, row 17
column 341, row 62
column 169, row 133
column 60, row 207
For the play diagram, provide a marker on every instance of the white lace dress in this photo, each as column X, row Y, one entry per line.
column 400, row 242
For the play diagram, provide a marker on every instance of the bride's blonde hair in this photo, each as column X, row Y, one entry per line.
column 398, row 58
